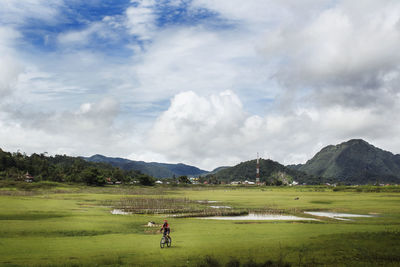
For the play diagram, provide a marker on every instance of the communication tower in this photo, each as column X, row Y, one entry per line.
column 258, row 170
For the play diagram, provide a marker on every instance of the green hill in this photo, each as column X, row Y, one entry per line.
column 270, row 172
column 355, row 162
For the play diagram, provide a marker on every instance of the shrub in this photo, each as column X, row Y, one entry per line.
column 233, row 263
column 146, row 180
column 209, row 262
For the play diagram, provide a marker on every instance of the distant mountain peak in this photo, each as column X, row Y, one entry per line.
column 353, row 142
column 97, row 156
column 354, row 161
column 356, row 140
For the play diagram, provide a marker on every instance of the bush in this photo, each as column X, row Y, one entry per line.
column 92, row 176
column 146, row 180
column 209, row 262
column 184, row 179
column 233, row 263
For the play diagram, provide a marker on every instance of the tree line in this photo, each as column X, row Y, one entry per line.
column 61, row 168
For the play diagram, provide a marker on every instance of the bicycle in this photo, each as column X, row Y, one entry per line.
column 165, row 239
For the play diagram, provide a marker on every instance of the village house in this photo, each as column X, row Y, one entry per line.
column 28, row 178
column 194, row 180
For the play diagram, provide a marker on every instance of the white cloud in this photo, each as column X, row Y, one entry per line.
column 214, row 131
column 9, row 72
column 140, row 19
column 10, row 67
column 88, row 130
column 339, row 44
column 89, row 121
column 181, row 132
column 80, row 37
column 345, row 55
column 338, row 50
column 17, row 12
column 200, row 60
column 106, row 29
column 258, row 15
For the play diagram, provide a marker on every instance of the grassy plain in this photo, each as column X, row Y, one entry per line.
column 72, row 226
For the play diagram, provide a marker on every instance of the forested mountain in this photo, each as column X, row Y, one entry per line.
column 155, row 169
column 271, row 172
column 61, row 168
column 355, row 162
column 219, row 169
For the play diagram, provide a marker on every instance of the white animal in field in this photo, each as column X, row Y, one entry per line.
column 151, row 224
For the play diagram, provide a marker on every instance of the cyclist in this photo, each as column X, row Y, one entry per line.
column 166, row 228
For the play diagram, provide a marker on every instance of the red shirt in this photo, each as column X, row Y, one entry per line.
column 165, row 226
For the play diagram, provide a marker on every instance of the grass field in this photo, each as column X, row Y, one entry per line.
column 73, row 226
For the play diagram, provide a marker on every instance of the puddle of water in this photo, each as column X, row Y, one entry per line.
column 207, row 201
column 261, row 217
column 336, row 215
column 220, row 207
column 119, row 212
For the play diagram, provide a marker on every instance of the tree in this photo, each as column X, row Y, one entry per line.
column 145, row 179
column 184, row 179
column 118, row 175
column 92, row 176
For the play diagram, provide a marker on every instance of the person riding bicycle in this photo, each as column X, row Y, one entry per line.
column 166, row 228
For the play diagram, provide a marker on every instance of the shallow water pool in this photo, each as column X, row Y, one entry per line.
column 119, row 212
column 220, row 207
column 336, row 215
column 260, row 217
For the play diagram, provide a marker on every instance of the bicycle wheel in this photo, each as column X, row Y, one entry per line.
column 169, row 241
column 162, row 242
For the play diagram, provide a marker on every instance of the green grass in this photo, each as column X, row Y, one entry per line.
column 72, row 226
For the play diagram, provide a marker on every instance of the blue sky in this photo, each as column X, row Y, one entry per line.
column 203, row 82
column 41, row 34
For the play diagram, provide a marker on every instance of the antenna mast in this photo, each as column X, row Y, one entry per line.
column 258, row 170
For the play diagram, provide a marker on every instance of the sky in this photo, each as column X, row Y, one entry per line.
column 205, row 82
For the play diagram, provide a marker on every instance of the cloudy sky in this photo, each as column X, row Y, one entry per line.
column 204, row 82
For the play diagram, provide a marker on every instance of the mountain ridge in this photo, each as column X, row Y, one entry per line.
column 155, row 169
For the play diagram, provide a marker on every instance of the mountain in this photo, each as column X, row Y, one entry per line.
column 155, row 169
column 295, row 166
column 270, row 171
column 217, row 170
column 354, row 162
